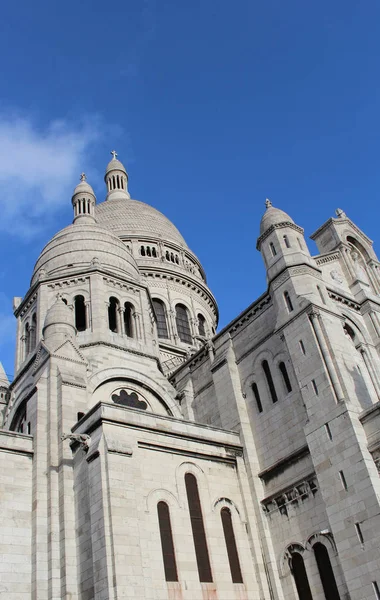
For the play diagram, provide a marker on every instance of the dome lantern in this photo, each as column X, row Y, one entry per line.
column 83, row 201
column 116, row 178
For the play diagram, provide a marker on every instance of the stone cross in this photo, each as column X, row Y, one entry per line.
column 114, row 154
column 83, row 177
column 268, row 203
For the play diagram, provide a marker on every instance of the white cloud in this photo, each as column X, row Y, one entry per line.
column 38, row 167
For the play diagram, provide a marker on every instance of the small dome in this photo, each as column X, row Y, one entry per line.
column 83, row 187
column 115, row 165
column 59, row 314
column 273, row 216
column 82, row 246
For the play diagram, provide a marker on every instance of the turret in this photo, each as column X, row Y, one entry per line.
column 59, row 324
column 116, row 178
column 83, row 201
column 281, row 242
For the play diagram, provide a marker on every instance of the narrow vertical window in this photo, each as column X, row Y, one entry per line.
column 232, row 552
column 112, row 314
column 302, row 347
column 255, row 390
column 273, row 249
column 285, row 377
column 80, row 313
column 162, row 326
column 300, row 577
column 154, row 253
column 315, row 387
column 199, row 535
column 326, row 572
column 359, row 533
column 167, row 255
column 201, row 325
column 286, row 241
column 183, row 325
column 142, row 251
column 299, row 243
column 33, row 332
column 27, row 339
column 343, row 480
column 167, row 545
column 321, row 295
column 376, row 590
column 288, row 301
column 268, row 376
column 128, row 319
column 328, row 431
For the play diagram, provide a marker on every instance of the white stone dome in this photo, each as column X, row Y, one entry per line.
column 127, row 217
column 81, row 246
column 115, row 165
column 273, row 216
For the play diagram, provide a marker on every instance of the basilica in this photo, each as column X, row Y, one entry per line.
column 146, row 456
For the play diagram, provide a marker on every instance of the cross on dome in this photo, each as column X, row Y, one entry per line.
column 268, row 203
column 114, row 154
column 83, row 177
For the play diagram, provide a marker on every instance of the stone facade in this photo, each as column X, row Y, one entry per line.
column 145, row 457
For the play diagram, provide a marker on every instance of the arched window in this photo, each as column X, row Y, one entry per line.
column 162, row 326
column 255, row 390
column 232, row 552
column 167, row 255
column 197, row 526
column 288, row 301
column 128, row 319
column 148, row 252
column 80, row 313
column 183, row 325
column 285, row 376
column 172, row 256
column 286, row 241
column 154, row 253
column 273, row 249
column 112, row 314
column 27, row 339
column 300, row 577
column 201, row 325
column 142, row 251
column 268, row 376
column 167, row 545
column 33, row 332
column 326, row 572
column 176, row 259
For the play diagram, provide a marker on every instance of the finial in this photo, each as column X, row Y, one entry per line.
column 340, row 213
column 268, row 203
column 114, row 154
column 83, row 177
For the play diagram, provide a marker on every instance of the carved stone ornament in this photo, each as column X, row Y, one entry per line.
column 336, row 276
column 83, row 439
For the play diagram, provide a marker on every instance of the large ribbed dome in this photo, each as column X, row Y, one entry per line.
column 131, row 217
column 80, row 246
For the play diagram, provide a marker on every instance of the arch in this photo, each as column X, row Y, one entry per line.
column 167, row 544
column 201, row 325
column 183, row 324
column 297, row 567
column 228, row 503
column 159, row 494
column 326, row 572
column 197, row 525
column 128, row 319
column 80, row 313
column 285, row 376
column 113, row 307
column 353, row 242
column 232, row 552
column 268, row 376
column 139, row 378
column 160, row 311
column 142, row 250
column 148, row 252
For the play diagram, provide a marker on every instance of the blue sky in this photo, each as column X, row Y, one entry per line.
column 212, row 107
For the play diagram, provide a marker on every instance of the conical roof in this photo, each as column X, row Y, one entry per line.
column 273, row 216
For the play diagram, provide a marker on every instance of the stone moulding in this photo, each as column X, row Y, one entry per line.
column 343, row 299
column 290, row 495
column 326, row 258
column 281, row 465
column 266, row 233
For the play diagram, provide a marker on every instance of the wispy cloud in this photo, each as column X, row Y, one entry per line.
column 38, row 167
